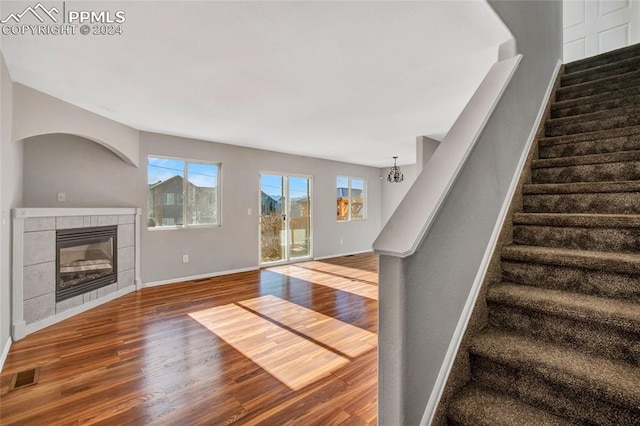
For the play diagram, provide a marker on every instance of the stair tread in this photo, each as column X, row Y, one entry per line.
column 618, row 99
column 594, row 116
column 592, row 61
column 587, row 220
column 478, row 405
column 608, row 67
column 590, row 136
column 587, row 259
column 631, row 93
column 621, row 314
column 631, row 76
column 580, row 160
column 581, row 187
column 609, row 380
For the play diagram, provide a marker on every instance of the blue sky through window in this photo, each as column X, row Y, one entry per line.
column 160, row 169
column 203, row 175
column 271, row 185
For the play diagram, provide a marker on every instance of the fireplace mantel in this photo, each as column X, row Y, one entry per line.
column 33, row 282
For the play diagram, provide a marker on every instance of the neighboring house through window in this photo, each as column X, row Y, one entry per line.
column 182, row 193
column 351, row 198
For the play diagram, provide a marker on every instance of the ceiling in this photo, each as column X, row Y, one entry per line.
column 348, row 81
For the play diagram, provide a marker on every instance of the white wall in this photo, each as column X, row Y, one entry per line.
column 92, row 176
column 10, row 196
column 393, row 193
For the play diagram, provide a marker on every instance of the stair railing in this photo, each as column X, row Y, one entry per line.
column 406, row 229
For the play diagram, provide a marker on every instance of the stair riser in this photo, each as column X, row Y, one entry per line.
column 599, row 239
column 596, row 88
column 604, row 172
column 607, row 59
column 589, row 106
column 596, row 74
column 548, row 390
column 563, row 278
column 604, row 146
column 577, row 125
column 603, row 203
column 593, row 338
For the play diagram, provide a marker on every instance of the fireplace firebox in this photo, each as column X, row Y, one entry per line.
column 86, row 260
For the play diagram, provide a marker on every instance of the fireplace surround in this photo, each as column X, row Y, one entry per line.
column 113, row 250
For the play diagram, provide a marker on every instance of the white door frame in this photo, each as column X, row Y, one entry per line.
column 287, row 258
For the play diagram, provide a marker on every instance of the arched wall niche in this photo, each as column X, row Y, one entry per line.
column 36, row 114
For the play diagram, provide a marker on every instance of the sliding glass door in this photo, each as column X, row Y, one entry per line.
column 285, row 217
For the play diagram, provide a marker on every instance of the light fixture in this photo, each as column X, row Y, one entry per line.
column 395, row 175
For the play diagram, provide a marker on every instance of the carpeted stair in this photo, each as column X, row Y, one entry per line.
column 562, row 341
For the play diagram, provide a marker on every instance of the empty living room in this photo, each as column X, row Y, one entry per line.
column 319, row 212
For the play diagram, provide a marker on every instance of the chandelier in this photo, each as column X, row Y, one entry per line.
column 395, row 175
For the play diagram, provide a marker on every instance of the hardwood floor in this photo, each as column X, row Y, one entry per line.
column 292, row 344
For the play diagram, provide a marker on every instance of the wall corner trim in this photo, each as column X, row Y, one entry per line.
column 5, row 352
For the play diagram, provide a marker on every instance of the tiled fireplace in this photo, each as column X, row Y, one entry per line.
column 68, row 260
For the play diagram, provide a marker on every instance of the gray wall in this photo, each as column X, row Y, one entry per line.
column 10, row 193
column 92, row 176
column 440, row 274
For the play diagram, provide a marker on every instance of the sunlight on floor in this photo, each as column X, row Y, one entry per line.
column 348, row 283
column 283, row 353
column 335, row 334
column 340, row 270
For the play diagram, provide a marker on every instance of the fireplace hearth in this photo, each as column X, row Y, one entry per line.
column 86, row 260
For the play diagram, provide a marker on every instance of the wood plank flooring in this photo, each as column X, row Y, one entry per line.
column 169, row 355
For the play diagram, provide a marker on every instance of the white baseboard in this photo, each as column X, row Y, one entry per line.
column 343, row 254
column 199, row 277
column 461, row 328
column 236, row 271
column 5, row 352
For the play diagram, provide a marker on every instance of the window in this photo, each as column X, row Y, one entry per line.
column 182, row 193
column 351, row 201
column 168, row 199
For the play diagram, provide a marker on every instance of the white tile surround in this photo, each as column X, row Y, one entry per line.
column 34, row 256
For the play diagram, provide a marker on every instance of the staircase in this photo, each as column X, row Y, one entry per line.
column 562, row 344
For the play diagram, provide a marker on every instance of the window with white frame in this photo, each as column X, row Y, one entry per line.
column 351, row 198
column 182, row 193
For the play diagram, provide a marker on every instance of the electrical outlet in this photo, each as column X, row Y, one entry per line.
column 62, row 197
column 341, row 241
column 249, row 212
column 185, row 258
